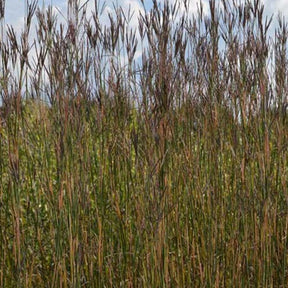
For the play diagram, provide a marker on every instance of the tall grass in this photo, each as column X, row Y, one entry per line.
column 165, row 171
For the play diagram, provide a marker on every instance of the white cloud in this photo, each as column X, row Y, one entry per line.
column 192, row 6
column 275, row 6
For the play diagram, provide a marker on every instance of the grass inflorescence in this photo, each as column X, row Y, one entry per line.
column 164, row 170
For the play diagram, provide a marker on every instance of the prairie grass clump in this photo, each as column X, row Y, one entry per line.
column 166, row 170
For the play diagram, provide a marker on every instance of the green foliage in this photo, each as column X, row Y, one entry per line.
column 174, row 177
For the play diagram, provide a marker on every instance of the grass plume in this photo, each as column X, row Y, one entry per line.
column 166, row 170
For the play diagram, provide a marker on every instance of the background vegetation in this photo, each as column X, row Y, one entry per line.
column 169, row 170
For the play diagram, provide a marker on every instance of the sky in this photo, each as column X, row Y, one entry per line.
column 14, row 10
